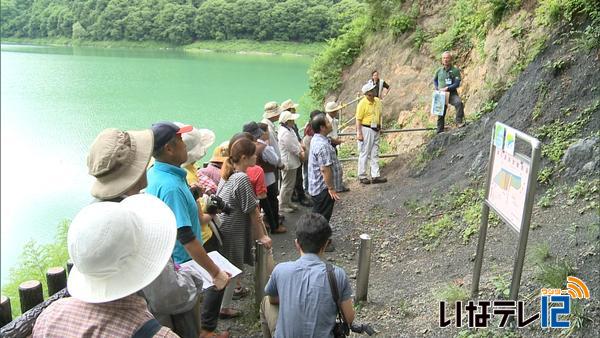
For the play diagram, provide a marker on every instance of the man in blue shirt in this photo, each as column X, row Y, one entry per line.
column 167, row 181
column 299, row 301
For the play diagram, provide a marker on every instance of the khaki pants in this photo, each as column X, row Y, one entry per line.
column 268, row 317
column 288, row 181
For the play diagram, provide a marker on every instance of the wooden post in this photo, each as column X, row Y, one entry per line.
column 69, row 265
column 5, row 311
column 57, row 279
column 30, row 294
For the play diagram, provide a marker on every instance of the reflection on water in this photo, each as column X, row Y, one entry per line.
column 55, row 100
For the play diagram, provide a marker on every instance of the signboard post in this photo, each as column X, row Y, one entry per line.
column 509, row 191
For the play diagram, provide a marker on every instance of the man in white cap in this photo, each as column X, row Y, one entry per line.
column 368, row 127
column 292, row 156
column 332, row 110
column 117, row 249
column 270, row 117
column 118, row 161
column 299, row 194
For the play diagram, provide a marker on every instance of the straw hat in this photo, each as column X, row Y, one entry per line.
column 368, row 87
column 221, row 153
column 119, row 248
column 286, row 116
column 287, row 105
column 332, row 106
column 271, row 110
column 117, row 159
column 197, row 142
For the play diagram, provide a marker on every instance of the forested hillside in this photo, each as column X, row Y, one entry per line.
column 178, row 21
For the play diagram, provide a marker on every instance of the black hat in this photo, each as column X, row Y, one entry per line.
column 253, row 129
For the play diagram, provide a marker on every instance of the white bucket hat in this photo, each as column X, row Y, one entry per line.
column 117, row 159
column 197, row 142
column 368, row 87
column 271, row 110
column 119, row 248
column 332, row 106
column 287, row 115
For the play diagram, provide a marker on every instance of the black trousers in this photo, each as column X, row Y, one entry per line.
column 299, row 186
column 323, row 204
column 270, row 206
column 211, row 303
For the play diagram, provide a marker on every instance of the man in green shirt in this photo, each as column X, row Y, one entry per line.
column 447, row 79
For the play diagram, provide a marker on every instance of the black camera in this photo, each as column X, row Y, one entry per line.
column 196, row 192
column 362, row 328
column 215, row 204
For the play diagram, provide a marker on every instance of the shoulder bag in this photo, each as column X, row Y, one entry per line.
column 341, row 328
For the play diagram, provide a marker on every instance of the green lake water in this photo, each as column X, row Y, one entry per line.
column 55, row 100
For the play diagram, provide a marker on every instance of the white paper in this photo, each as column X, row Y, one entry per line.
column 220, row 261
column 438, row 103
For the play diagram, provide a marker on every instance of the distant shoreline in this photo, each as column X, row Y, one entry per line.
column 228, row 46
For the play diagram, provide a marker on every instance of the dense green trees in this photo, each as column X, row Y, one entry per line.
column 178, row 21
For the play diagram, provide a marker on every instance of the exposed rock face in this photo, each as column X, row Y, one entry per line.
column 582, row 158
column 409, row 71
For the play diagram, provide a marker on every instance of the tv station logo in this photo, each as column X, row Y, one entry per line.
column 555, row 307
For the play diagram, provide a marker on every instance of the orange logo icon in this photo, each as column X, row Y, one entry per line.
column 577, row 289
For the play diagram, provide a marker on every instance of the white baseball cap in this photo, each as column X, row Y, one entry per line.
column 367, row 87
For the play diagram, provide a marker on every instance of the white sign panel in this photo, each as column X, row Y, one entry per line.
column 508, row 187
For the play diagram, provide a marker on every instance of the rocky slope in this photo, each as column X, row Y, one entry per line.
column 424, row 222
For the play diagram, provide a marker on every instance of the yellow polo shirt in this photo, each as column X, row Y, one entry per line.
column 367, row 111
column 191, row 179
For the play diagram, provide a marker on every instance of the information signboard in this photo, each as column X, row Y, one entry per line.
column 508, row 187
column 509, row 191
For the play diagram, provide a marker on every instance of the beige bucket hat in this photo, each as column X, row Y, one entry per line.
column 271, row 110
column 119, row 248
column 117, row 159
column 287, row 105
column 332, row 106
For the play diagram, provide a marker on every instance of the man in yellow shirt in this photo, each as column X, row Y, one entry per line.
column 368, row 127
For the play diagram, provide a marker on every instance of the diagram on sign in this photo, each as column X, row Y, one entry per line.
column 506, row 179
column 508, row 187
